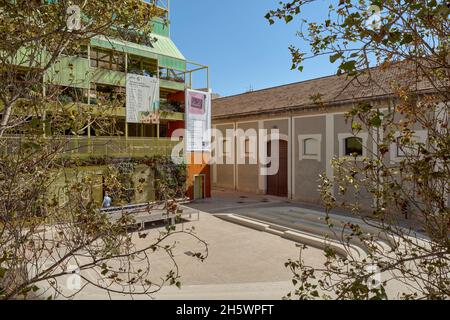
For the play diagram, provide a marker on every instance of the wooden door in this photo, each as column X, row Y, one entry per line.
column 277, row 184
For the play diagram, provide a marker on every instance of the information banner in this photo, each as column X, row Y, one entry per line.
column 142, row 99
column 198, row 121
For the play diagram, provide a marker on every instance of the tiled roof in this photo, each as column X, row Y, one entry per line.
column 331, row 89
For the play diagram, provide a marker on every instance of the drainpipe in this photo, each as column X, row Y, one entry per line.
column 90, row 149
column 235, row 157
column 126, row 123
column 44, row 115
column 292, row 157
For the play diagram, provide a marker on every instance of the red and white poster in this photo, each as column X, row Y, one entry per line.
column 197, row 103
column 198, row 121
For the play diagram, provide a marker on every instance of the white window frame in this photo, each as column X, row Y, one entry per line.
column 301, row 140
column 344, row 136
column 421, row 134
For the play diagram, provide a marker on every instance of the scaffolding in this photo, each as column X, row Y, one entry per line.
column 196, row 68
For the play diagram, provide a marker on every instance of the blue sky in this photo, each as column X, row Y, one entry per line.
column 242, row 50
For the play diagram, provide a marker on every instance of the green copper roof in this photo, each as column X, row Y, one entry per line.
column 162, row 49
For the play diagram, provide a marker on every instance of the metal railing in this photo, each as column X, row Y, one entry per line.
column 171, row 75
column 120, row 146
column 116, row 147
column 171, row 107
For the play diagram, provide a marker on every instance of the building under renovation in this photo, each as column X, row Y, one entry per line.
column 108, row 68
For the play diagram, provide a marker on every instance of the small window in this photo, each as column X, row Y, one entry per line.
column 106, row 59
column 310, row 147
column 247, row 146
column 224, row 147
column 118, row 62
column 134, row 64
column 353, row 146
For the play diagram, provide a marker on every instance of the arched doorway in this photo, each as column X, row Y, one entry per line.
column 277, row 184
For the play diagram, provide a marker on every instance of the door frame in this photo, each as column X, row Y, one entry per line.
column 203, row 176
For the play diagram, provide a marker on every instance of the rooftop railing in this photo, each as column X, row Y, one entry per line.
column 120, row 146
column 115, row 147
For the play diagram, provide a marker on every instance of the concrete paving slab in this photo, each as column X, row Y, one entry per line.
column 242, row 264
column 269, row 208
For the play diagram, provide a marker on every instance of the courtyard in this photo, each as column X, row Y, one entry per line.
column 242, row 264
column 250, row 238
column 143, row 157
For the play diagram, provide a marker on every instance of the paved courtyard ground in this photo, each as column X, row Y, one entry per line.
column 267, row 208
column 242, row 264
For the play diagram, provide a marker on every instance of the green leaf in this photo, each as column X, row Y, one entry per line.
column 336, row 56
column 35, row 122
column 2, row 272
column 356, row 126
column 376, row 121
column 348, row 66
column 288, row 18
column 407, row 38
column 31, row 145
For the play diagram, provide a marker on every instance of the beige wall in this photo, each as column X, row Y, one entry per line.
column 247, row 174
column 224, row 174
column 307, row 171
column 281, row 124
column 303, row 171
column 343, row 126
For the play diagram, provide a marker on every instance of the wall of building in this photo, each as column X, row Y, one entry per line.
column 247, row 173
column 224, row 174
column 328, row 128
column 342, row 129
column 143, row 176
column 308, row 168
